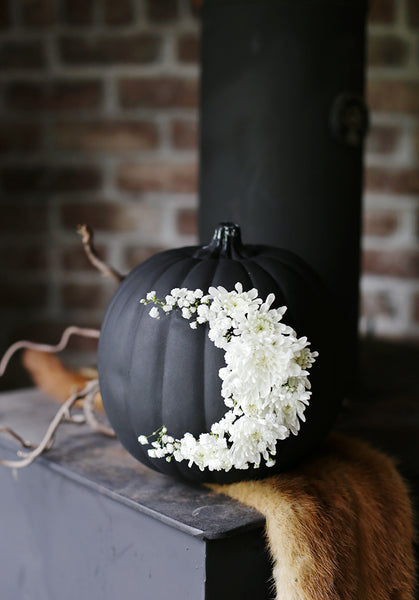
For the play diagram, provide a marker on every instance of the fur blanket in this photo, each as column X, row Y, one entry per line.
column 339, row 527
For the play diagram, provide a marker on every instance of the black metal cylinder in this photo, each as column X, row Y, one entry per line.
column 282, row 127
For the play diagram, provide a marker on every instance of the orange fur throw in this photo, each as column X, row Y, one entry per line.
column 339, row 527
column 51, row 376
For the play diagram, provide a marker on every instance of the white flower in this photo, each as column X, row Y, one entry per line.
column 186, row 313
column 265, row 382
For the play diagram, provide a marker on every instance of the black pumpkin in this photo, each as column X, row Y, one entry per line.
column 155, row 372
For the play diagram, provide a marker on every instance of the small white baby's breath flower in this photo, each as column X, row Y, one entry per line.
column 265, row 384
column 186, row 313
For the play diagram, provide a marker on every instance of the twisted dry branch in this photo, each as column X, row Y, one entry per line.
column 16, row 436
column 89, row 415
column 86, row 234
column 62, row 415
column 90, row 333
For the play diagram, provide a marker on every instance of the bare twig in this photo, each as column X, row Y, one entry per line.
column 86, row 234
column 62, row 415
column 16, row 436
column 90, row 333
column 88, row 406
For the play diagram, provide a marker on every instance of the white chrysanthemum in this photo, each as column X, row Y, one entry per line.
column 265, row 382
column 253, row 438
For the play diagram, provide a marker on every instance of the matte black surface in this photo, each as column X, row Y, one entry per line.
column 280, row 153
column 161, row 372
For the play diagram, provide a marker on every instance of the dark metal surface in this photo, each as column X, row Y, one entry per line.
column 63, row 541
column 280, row 154
column 88, row 521
column 103, row 465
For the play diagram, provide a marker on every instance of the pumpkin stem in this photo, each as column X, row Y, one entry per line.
column 226, row 243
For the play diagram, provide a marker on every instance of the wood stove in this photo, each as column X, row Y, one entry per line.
column 282, row 127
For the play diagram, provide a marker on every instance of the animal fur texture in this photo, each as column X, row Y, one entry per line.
column 339, row 527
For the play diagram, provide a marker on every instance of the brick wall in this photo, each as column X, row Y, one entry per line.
column 98, row 123
column 390, row 282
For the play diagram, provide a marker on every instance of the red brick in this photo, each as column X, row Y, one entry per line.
column 413, row 13
column 398, row 181
column 73, row 258
column 383, row 139
column 162, row 10
column 4, row 14
column 105, row 136
column 22, row 294
column 109, row 49
column 381, row 11
column 138, row 254
column 188, row 48
column 23, row 218
column 39, row 13
column 78, row 12
column 387, row 51
column 184, row 134
column 395, row 263
column 159, row 177
column 103, row 216
column 187, row 221
column 118, row 13
column 54, row 95
column 50, row 179
column 20, row 257
column 19, row 137
column 113, row 217
column 82, row 295
column 374, row 304
column 380, row 223
column 393, row 96
column 25, row 54
column 161, row 92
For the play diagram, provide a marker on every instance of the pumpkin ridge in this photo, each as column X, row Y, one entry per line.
column 202, row 265
column 184, row 257
column 272, row 289
column 168, row 354
column 284, row 268
column 135, row 324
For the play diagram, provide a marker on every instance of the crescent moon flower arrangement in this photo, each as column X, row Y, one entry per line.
column 265, row 384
